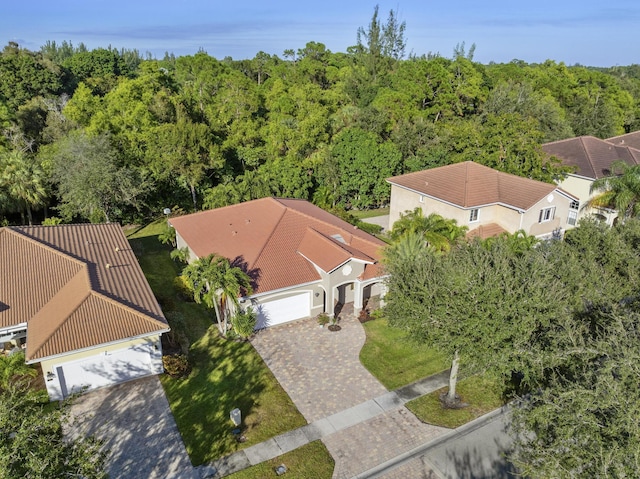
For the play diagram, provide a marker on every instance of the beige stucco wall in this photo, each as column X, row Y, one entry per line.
column 324, row 293
column 581, row 188
column 403, row 200
column 531, row 218
column 180, row 243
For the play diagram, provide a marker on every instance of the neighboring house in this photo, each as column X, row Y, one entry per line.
column 302, row 260
column 591, row 159
column 74, row 298
column 487, row 201
column 630, row 139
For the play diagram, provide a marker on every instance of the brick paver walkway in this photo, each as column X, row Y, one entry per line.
column 370, row 443
column 319, row 369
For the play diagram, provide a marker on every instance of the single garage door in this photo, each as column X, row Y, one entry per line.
column 280, row 311
column 105, row 369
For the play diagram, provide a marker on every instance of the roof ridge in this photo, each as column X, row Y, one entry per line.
column 273, row 230
column 465, row 200
column 588, row 155
column 68, row 313
column 147, row 317
column 316, row 219
column 93, row 293
column 345, row 247
column 37, row 242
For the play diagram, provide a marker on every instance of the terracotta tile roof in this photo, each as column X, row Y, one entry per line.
column 30, row 275
column 267, row 235
column 591, row 156
column 76, row 287
column 486, row 231
column 328, row 252
column 630, row 139
column 470, row 185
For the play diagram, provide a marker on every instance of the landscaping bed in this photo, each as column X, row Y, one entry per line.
column 482, row 395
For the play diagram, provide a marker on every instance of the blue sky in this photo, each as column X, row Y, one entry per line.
column 598, row 33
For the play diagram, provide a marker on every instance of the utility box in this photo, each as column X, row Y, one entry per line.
column 236, row 417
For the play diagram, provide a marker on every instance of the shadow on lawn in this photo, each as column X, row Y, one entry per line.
column 226, row 374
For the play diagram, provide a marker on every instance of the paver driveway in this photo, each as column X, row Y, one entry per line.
column 319, row 369
column 322, row 373
column 136, row 423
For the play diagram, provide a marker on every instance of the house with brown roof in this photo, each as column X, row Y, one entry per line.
column 631, row 140
column 303, row 261
column 487, row 201
column 75, row 300
column 591, row 159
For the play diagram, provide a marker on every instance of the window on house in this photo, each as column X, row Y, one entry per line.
column 547, row 214
column 473, row 215
column 572, row 219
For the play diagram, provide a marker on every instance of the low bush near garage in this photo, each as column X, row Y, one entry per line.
column 176, row 365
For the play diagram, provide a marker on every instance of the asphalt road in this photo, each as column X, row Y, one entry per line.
column 474, row 451
column 477, row 454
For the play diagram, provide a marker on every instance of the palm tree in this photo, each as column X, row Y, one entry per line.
column 217, row 284
column 23, row 181
column 406, row 248
column 13, row 370
column 618, row 191
column 439, row 233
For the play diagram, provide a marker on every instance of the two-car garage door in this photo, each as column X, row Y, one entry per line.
column 283, row 310
column 105, row 369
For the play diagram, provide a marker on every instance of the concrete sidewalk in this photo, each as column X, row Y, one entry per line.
column 322, row 428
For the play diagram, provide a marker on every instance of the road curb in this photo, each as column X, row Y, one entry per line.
column 417, row 451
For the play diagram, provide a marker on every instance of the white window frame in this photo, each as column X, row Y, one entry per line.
column 547, row 214
column 572, row 219
column 474, row 215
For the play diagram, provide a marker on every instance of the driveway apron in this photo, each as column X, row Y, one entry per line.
column 322, row 373
column 138, row 428
column 318, row 368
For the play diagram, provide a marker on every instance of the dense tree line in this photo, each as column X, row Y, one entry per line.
column 560, row 320
column 198, row 132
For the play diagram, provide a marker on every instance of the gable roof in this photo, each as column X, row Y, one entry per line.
column 278, row 241
column 487, row 231
column 76, row 287
column 591, row 157
column 630, row 139
column 470, row 185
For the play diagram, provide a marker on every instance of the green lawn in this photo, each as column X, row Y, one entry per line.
column 395, row 361
column 360, row 214
column 482, row 395
column 226, row 373
column 311, row 461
